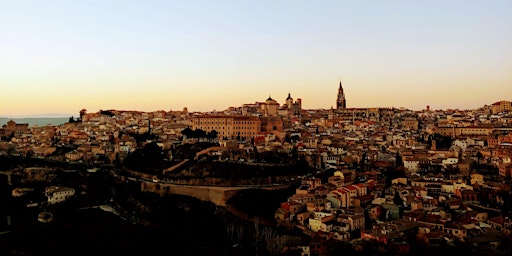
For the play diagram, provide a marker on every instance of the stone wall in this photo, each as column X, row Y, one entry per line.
column 218, row 196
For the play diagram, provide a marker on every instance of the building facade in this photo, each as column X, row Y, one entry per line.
column 228, row 126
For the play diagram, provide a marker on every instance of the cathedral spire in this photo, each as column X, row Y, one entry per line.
column 341, row 103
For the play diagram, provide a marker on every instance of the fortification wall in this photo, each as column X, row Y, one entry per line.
column 214, row 195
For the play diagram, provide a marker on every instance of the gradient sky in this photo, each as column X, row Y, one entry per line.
column 62, row 56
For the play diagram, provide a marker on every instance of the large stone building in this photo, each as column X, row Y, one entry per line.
column 501, row 106
column 463, row 131
column 228, row 126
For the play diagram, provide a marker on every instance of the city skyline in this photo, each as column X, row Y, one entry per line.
column 62, row 56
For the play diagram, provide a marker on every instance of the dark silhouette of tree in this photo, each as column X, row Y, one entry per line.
column 71, row 120
column 294, row 138
column 82, row 112
column 198, row 133
column 478, row 157
column 143, row 137
column 442, row 141
column 212, row 135
column 187, row 132
column 397, row 199
column 107, row 113
column 363, row 161
column 398, row 159
column 148, row 159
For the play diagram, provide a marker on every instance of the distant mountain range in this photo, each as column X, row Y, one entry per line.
column 48, row 115
column 36, row 121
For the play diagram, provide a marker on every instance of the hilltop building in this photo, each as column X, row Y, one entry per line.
column 358, row 114
column 13, row 128
column 290, row 107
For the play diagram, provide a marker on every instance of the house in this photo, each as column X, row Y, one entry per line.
column 354, row 222
column 301, row 198
column 288, row 210
column 505, row 170
column 18, row 192
column 303, row 250
column 340, row 198
column 456, row 229
column 303, row 216
column 322, row 191
column 324, row 224
column 476, row 178
column 318, row 205
column 282, row 214
column 312, row 182
column 500, row 223
column 292, row 206
column 74, row 155
column 413, row 215
column 57, row 194
column 323, row 246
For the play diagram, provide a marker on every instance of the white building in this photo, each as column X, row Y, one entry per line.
column 56, row 194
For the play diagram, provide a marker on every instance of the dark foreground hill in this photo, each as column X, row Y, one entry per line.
column 190, row 230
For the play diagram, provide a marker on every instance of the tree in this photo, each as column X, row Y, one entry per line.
column 149, row 158
column 478, row 157
column 442, row 141
column 294, row 138
column 187, row 132
column 198, row 133
column 397, row 199
column 82, row 113
column 363, row 161
column 398, row 159
column 212, row 135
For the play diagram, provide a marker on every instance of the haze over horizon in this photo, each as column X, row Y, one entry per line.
column 62, row 56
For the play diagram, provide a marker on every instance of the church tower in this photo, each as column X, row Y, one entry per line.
column 289, row 101
column 341, row 103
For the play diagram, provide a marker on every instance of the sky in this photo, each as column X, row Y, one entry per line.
column 147, row 55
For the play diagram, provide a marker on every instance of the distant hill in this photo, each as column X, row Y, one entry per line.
column 36, row 121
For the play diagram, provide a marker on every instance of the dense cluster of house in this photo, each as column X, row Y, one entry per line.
column 434, row 209
column 444, row 194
